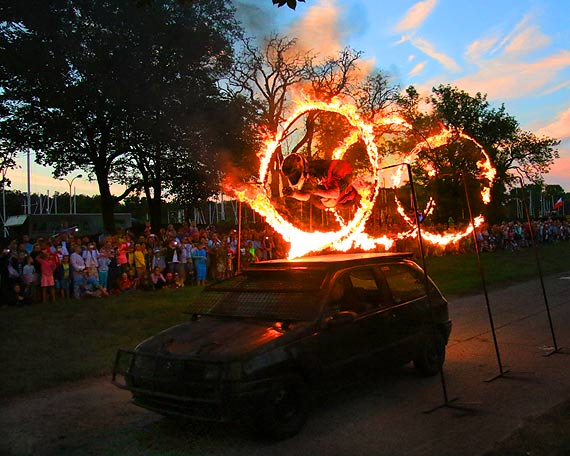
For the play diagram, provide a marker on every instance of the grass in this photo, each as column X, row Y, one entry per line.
column 458, row 274
column 48, row 344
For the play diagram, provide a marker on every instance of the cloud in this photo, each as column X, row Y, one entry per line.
column 560, row 171
column 417, row 69
column 557, row 87
column 411, row 57
column 479, row 48
column 415, row 16
column 560, row 128
column 516, row 30
column 527, row 40
column 506, row 78
column 429, row 49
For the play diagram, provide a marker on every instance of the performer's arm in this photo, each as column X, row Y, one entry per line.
column 331, row 193
column 301, row 196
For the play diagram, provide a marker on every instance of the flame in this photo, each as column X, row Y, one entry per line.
column 351, row 233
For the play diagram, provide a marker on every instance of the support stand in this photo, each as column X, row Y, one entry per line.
column 502, row 372
column 556, row 348
column 447, row 402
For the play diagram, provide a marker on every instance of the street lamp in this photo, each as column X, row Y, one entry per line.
column 70, row 182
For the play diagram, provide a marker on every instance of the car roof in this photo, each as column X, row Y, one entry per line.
column 331, row 261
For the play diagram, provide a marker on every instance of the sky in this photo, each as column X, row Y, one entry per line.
column 517, row 52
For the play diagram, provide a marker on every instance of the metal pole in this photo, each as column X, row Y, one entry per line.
column 29, row 198
column 4, row 227
column 424, row 266
column 539, row 268
column 483, row 282
column 239, row 239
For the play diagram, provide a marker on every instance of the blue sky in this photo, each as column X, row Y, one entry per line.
column 515, row 51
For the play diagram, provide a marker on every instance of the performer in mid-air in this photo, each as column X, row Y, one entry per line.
column 325, row 183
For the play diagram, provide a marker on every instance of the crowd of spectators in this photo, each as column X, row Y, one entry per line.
column 64, row 265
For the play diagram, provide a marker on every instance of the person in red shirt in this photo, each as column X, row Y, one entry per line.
column 125, row 283
column 325, row 183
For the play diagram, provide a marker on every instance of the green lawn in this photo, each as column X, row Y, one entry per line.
column 460, row 273
column 47, row 344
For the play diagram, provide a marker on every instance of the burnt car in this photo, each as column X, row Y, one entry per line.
column 260, row 346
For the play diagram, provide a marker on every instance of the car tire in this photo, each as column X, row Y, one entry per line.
column 285, row 409
column 431, row 357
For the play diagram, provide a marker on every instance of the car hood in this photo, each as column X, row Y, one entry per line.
column 219, row 339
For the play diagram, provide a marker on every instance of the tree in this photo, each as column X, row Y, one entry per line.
column 265, row 76
column 290, row 3
column 508, row 146
column 80, row 76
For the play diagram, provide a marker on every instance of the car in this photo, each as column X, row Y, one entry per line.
column 261, row 345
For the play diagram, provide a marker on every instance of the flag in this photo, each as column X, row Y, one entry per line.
column 558, row 203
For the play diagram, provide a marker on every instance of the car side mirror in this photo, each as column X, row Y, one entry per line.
column 340, row 319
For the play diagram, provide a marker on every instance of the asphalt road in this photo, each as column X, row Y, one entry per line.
column 380, row 414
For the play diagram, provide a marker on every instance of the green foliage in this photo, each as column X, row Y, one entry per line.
column 290, row 3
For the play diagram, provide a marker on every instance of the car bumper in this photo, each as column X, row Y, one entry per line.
column 175, row 386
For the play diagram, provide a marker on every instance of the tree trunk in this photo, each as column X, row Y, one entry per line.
column 155, row 208
column 107, row 206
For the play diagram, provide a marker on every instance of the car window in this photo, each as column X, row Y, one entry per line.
column 357, row 291
column 269, row 294
column 404, row 282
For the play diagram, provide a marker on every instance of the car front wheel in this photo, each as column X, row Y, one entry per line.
column 430, row 359
column 285, row 409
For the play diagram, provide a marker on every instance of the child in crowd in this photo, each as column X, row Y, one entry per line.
column 125, row 283
column 62, row 275
column 103, row 262
column 157, row 279
column 47, row 264
column 29, row 277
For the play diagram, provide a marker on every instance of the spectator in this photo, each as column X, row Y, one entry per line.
column 77, row 267
column 47, row 281
column 140, row 262
column 30, row 278
column 62, row 277
column 199, row 256
column 157, row 279
column 91, row 288
column 103, row 262
column 90, row 255
column 126, row 284
column 18, row 297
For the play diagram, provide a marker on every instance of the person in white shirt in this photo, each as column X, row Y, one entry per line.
column 90, row 255
column 78, row 266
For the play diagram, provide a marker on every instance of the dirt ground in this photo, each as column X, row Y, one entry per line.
column 65, row 417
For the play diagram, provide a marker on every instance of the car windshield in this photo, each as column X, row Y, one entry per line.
column 290, row 294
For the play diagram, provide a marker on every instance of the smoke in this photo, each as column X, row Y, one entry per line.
column 325, row 29
column 256, row 17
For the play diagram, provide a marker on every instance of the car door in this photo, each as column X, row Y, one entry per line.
column 409, row 306
column 356, row 292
